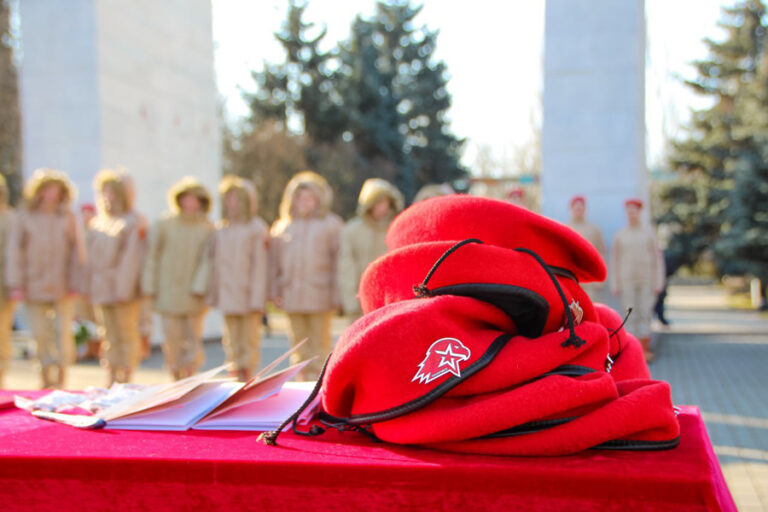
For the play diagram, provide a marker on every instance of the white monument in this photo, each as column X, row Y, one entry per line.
column 593, row 136
column 120, row 82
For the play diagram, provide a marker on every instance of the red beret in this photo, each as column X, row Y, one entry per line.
column 578, row 199
column 461, row 377
column 87, row 208
column 509, row 279
column 634, row 201
column 495, row 222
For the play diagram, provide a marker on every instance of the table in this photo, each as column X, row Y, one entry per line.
column 48, row 466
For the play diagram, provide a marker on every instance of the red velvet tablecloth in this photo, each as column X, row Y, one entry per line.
column 48, row 466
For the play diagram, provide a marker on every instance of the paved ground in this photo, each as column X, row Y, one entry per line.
column 716, row 358
column 713, row 357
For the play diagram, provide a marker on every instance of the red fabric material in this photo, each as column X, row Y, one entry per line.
column 371, row 369
column 47, row 466
column 495, row 222
column 626, row 350
column 389, row 358
column 634, row 202
column 391, row 277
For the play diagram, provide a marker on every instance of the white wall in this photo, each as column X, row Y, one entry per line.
column 121, row 82
column 593, row 137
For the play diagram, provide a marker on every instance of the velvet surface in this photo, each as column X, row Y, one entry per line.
column 47, row 466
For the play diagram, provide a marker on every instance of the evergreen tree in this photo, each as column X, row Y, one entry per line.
column 399, row 97
column 697, row 201
column 743, row 246
column 302, row 86
column 10, row 116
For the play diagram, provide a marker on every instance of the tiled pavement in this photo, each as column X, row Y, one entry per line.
column 716, row 359
column 713, row 357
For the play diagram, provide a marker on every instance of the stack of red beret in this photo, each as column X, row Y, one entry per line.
column 477, row 337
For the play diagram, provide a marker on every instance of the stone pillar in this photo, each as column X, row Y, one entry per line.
column 593, row 136
column 120, row 82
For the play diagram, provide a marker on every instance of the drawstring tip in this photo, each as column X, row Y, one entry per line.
column 269, row 438
column 573, row 341
column 421, row 291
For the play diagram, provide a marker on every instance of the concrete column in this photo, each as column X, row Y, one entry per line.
column 593, row 137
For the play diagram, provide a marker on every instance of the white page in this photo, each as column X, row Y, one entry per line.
column 182, row 414
column 266, row 414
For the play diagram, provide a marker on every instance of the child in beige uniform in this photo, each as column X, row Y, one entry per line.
column 592, row 233
column 7, row 304
column 116, row 245
column 304, row 253
column 239, row 274
column 176, row 274
column 637, row 273
column 45, row 258
column 363, row 238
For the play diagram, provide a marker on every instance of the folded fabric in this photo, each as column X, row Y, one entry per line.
column 510, row 279
column 626, row 353
column 445, row 372
column 495, row 222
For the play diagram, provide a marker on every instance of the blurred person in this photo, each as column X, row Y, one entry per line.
column 7, row 304
column 433, row 190
column 46, row 254
column 84, row 314
column 516, row 196
column 176, row 274
column 239, row 274
column 116, row 240
column 638, row 273
column 363, row 238
column 87, row 213
column 578, row 207
column 304, row 254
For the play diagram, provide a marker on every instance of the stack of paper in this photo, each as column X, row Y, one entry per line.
column 202, row 402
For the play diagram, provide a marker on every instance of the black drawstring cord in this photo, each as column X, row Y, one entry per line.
column 270, row 438
column 573, row 339
column 343, row 425
column 614, row 332
column 421, row 290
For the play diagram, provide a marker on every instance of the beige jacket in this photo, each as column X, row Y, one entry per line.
column 177, row 265
column 239, row 263
column 636, row 259
column 46, row 252
column 7, row 221
column 116, row 241
column 304, row 250
column 364, row 239
column 592, row 233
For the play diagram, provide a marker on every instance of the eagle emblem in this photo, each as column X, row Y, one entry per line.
column 443, row 356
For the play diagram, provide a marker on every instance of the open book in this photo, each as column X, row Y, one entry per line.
column 202, row 402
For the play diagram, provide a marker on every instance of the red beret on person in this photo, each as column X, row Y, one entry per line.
column 633, row 201
column 577, row 199
column 478, row 338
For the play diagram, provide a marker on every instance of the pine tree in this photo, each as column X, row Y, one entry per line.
column 10, row 116
column 399, row 97
column 704, row 160
column 743, row 245
column 302, row 86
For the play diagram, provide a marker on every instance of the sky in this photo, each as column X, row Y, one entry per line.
column 494, row 54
